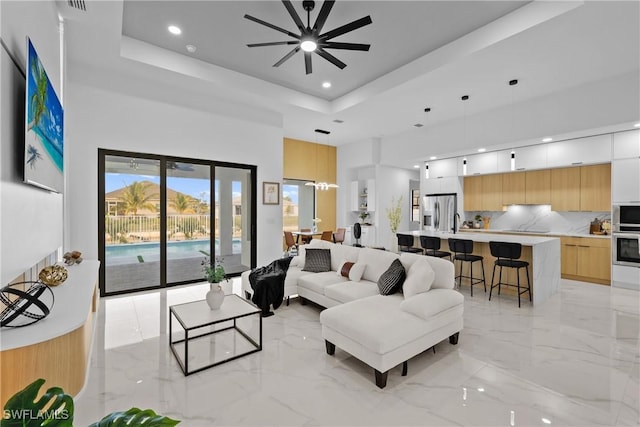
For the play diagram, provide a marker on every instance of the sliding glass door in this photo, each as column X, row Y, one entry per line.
column 163, row 217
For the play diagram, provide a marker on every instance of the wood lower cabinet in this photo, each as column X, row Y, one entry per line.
column 586, row 259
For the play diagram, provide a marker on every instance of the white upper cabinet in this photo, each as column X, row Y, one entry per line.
column 580, row 151
column 626, row 144
column 625, row 180
column 354, row 200
column 479, row 164
column 443, row 168
column 449, row 184
column 532, row 157
column 504, row 160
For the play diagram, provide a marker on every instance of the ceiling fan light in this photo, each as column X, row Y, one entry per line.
column 308, row 45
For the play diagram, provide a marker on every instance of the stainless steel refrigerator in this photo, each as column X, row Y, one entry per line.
column 440, row 212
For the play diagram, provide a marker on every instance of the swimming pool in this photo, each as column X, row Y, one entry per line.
column 174, row 249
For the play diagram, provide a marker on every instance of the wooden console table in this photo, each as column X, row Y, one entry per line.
column 58, row 347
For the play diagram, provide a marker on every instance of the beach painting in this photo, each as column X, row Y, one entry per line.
column 43, row 147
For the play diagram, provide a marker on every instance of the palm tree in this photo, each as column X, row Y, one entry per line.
column 39, row 97
column 135, row 197
column 182, row 203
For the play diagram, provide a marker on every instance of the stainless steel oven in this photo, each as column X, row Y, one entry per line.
column 626, row 249
column 626, row 218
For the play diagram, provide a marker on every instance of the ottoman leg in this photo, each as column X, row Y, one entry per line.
column 331, row 348
column 405, row 368
column 381, row 379
column 453, row 339
column 303, row 301
column 247, row 295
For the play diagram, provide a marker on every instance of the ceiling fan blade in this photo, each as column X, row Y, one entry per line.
column 346, row 28
column 346, row 46
column 272, row 43
column 287, row 56
column 266, row 24
column 307, row 62
column 294, row 15
column 326, row 55
column 322, row 15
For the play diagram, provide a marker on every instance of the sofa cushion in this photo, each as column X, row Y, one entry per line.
column 317, row 260
column 352, row 270
column 342, row 253
column 317, row 282
column 419, row 278
column 293, row 274
column 429, row 304
column 376, row 262
column 391, row 280
column 350, row 291
column 376, row 322
column 443, row 268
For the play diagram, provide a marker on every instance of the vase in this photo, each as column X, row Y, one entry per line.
column 215, row 296
column 314, row 229
column 393, row 246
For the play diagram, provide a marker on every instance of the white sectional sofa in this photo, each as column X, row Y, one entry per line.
column 382, row 331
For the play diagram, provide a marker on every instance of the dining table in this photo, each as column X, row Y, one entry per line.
column 309, row 234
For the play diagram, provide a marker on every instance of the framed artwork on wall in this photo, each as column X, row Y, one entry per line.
column 270, row 193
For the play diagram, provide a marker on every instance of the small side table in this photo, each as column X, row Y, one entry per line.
column 213, row 337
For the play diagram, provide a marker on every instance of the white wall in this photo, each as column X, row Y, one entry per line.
column 99, row 118
column 392, row 182
column 30, row 218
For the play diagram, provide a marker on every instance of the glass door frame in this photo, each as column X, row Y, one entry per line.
column 102, row 155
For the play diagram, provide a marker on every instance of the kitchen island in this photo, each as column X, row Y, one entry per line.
column 542, row 253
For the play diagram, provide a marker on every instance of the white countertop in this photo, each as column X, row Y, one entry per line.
column 523, row 239
column 71, row 307
column 533, row 233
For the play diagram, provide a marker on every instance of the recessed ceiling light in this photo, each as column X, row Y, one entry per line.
column 481, row 150
column 432, row 158
column 637, row 125
column 191, row 48
column 174, row 30
column 416, row 166
column 326, row 85
column 547, row 139
column 546, row 421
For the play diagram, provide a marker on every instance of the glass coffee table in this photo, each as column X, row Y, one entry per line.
column 206, row 338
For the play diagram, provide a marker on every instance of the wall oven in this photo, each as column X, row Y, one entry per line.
column 626, row 218
column 626, row 249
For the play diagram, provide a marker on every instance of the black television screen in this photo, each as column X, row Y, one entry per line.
column 44, row 145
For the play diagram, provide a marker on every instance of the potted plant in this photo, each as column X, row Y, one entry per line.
column 476, row 222
column 214, row 274
column 363, row 216
column 316, row 221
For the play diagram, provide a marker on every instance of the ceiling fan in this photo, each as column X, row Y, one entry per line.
column 311, row 39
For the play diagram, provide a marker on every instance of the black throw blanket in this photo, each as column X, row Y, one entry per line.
column 268, row 285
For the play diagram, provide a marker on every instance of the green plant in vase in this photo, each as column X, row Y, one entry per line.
column 477, row 219
column 363, row 216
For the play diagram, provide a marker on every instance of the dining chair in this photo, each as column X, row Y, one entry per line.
column 305, row 239
column 338, row 236
column 289, row 240
column 327, row 235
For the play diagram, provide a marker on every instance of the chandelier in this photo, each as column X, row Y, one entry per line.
column 321, row 185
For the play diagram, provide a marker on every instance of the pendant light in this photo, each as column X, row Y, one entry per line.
column 512, row 83
column 464, row 136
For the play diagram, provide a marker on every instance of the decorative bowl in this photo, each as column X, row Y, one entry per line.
column 53, row 275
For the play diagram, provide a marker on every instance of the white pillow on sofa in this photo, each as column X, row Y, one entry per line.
column 355, row 272
column 419, row 278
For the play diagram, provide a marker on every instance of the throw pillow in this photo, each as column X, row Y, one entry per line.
column 419, row 278
column 356, row 272
column 391, row 280
column 317, row 260
column 345, row 268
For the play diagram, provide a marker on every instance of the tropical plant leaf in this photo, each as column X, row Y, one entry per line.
column 135, row 417
column 54, row 408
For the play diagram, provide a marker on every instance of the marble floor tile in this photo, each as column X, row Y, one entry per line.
column 572, row 361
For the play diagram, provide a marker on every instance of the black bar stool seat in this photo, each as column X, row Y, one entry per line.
column 405, row 244
column 462, row 249
column 507, row 255
column 431, row 246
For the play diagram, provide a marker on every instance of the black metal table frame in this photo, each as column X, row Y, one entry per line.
column 185, row 365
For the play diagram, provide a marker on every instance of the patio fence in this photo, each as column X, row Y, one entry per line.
column 129, row 229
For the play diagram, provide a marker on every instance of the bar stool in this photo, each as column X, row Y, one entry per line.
column 405, row 244
column 431, row 246
column 508, row 255
column 462, row 249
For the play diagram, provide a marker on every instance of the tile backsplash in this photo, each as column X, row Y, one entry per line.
column 540, row 218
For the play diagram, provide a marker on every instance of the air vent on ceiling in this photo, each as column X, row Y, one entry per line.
column 77, row 4
column 418, row 125
column 326, row 132
column 338, row 121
